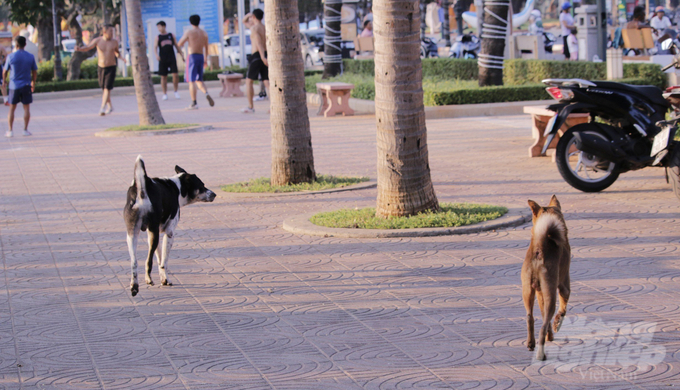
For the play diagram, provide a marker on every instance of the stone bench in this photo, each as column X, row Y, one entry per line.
column 334, row 99
column 540, row 117
column 231, row 84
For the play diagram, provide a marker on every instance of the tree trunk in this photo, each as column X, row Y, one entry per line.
column 45, row 37
column 446, row 34
column 332, row 51
column 493, row 44
column 77, row 57
column 147, row 105
column 404, row 184
column 292, row 155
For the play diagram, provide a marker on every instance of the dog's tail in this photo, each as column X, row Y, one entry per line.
column 140, row 178
column 550, row 227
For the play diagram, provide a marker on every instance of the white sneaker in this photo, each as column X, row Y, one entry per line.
column 176, row 95
column 109, row 110
column 165, row 97
column 259, row 98
column 102, row 112
column 248, row 110
column 27, row 133
column 192, row 107
column 9, row 134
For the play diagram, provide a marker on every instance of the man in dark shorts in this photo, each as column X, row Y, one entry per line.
column 107, row 60
column 165, row 55
column 23, row 72
column 257, row 66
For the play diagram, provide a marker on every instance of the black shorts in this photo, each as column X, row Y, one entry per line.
column 22, row 95
column 566, row 48
column 257, row 69
column 167, row 66
column 107, row 76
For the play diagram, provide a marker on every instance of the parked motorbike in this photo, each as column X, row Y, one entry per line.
column 466, row 46
column 627, row 131
column 428, row 48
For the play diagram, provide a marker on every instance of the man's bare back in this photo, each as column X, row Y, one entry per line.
column 197, row 39
column 258, row 38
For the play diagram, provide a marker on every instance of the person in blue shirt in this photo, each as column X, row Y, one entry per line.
column 23, row 73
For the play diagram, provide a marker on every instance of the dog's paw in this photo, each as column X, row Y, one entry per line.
column 531, row 344
column 557, row 324
column 540, row 354
column 134, row 289
column 149, row 282
column 166, row 282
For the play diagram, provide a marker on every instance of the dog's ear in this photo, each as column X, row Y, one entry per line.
column 535, row 208
column 179, row 169
column 555, row 203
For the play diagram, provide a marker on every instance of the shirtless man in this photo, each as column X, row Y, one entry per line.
column 258, row 65
column 198, row 42
column 107, row 60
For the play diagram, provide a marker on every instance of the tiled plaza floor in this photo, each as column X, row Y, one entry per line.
column 255, row 307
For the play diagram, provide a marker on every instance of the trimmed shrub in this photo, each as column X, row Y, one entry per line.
column 443, row 68
column 499, row 94
column 521, row 72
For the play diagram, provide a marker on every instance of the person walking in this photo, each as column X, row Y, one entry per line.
column 566, row 23
column 198, row 42
column 164, row 47
column 107, row 65
column 257, row 66
column 458, row 9
column 23, row 72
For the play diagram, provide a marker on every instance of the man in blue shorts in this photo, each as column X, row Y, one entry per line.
column 23, row 72
column 198, row 42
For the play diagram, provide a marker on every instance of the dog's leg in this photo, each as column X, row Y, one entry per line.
column 132, row 247
column 549, row 294
column 163, row 267
column 153, row 245
column 528, row 295
column 565, row 291
column 539, row 297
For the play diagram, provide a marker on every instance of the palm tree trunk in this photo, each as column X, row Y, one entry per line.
column 493, row 43
column 147, row 105
column 404, row 184
column 292, row 155
column 332, row 52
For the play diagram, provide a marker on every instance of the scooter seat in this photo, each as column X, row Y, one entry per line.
column 654, row 94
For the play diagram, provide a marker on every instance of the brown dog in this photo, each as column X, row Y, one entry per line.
column 545, row 271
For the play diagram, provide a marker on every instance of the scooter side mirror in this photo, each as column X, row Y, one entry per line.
column 666, row 45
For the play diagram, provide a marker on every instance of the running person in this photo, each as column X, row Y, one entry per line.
column 165, row 55
column 198, row 42
column 107, row 60
column 258, row 65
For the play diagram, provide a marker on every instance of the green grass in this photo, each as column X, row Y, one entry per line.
column 451, row 215
column 323, row 182
column 152, row 127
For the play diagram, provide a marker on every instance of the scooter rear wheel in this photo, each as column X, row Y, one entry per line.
column 674, row 170
column 580, row 170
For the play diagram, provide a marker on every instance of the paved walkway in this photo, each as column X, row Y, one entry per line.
column 255, row 307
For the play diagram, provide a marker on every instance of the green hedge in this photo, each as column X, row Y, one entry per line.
column 88, row 69
column 445, row 68
column 505, row 93
column 521, row 72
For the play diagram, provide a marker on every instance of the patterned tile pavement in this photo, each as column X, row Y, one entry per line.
column 254, row 307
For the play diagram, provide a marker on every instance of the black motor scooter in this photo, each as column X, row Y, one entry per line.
column 627, row 131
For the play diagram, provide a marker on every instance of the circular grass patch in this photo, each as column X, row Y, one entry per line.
column 152, row 127
column 263, row 185
column 451, row 215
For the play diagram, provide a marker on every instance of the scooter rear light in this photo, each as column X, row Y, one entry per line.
column 560, row 94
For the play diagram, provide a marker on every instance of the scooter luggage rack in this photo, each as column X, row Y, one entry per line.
column 566, row 82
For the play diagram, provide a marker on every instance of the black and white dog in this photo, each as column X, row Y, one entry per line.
column 153, row 205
